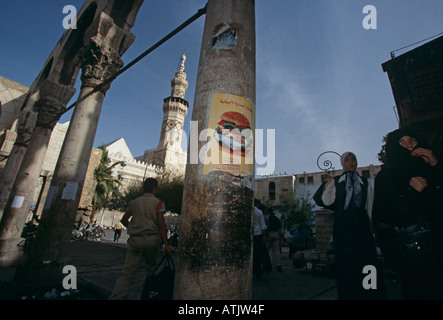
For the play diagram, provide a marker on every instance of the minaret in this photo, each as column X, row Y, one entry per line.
column 169, row 152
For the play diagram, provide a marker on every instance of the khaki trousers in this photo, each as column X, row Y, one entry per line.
column 274, row 247
column 139, row 248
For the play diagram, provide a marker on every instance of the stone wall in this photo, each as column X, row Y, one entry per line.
column 282, row 184
column 55, row 144
column 324, row 222
column 12, row 96
column 304, row 184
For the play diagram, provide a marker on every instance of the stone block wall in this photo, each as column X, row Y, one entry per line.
column 324, row 222
column 55, row 144
column 12, row 96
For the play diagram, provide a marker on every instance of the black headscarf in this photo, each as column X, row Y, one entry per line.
column 400, row 159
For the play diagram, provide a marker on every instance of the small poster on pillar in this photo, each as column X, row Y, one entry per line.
column 230, row 147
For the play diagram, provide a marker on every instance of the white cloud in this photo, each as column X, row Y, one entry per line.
column 304, row 128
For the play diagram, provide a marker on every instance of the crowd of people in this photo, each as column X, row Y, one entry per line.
column 402, row 216
column 269, row 236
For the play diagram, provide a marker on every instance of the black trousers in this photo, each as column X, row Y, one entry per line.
column 117, row 234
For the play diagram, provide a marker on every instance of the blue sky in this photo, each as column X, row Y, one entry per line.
column 320, row 83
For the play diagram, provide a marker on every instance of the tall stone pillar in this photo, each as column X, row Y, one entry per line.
column 215, row 247
column 106, row 39
column 43, row 267
column 99, row 62
column 53, row 101
column 25, row 129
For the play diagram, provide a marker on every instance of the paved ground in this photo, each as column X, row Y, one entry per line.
column 99, row 265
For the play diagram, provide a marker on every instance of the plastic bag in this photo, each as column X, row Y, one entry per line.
column 160, row 286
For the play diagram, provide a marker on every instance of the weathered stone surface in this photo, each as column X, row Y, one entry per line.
column 214, row 253
column 324, row 224
column 90, row 182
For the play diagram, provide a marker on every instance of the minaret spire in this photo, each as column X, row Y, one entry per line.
column 169, row 153
column 181, row 68
column 179, row 84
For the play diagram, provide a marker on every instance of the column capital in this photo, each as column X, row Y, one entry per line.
column 48, row 110
column 25, row 128
column 99, row 62
column 53, row 99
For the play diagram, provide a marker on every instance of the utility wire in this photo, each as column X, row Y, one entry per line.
column 199, row 13
column 392, row 52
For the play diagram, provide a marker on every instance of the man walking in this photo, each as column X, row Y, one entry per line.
column 146, row 228
column 118, row 230
column 260, row 248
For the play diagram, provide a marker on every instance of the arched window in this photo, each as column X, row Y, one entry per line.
column 272, row 190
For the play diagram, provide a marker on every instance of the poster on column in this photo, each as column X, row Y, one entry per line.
column 230, row 146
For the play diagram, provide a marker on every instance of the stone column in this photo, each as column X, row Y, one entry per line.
column 215, row 249
column 99, row 62
column 7, row 177
column 53, row 102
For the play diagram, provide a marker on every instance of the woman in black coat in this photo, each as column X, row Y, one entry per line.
column 408, row 214
column 350, row 197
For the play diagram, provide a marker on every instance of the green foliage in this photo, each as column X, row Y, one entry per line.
column 107, row 186
column 170, row 190
column 382, row 154
column 121, row 201
column 296, row 209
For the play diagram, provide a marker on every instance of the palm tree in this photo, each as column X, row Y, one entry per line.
column 107, row 185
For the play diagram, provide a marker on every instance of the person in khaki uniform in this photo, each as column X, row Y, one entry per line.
column 118, row 230
column 146, row 228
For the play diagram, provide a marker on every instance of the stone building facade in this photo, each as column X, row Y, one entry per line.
column 269, row 189
column 167, row 157
column 416, row 79
column 305, row 184
column 12, row 96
